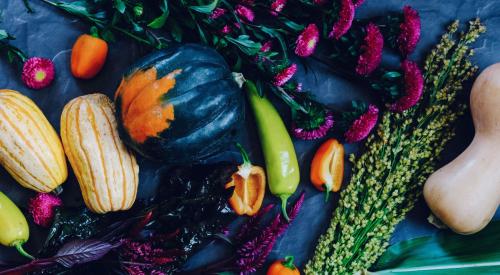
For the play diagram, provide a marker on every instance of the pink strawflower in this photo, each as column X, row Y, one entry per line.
column 357, row 3
column 286, row 74
column 362, row 126
column 245, row 13
column 226, row 29
column 277, row 6
column 371, row 51
column 42, row 208
column 38, row 72
column 319, row 132
column 218, row 12
column 345, row 18
column 414, row 85
column 266, row 46
column 410, row 31
column 307, row 41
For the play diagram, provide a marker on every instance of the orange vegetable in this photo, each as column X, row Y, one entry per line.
column 327, row 167
column 249, row 184
column 88, row 56
column 283, row 267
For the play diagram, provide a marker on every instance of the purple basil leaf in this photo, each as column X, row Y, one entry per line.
column 82, row 251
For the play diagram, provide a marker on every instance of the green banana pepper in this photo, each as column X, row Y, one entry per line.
column 14, row 230
column 279, row 153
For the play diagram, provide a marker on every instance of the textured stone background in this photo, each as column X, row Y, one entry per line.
column 47, row 33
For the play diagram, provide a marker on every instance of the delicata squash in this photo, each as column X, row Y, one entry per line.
column 30, row 149
column 106, row 171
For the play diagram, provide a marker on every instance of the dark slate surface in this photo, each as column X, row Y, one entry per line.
column 47, row 33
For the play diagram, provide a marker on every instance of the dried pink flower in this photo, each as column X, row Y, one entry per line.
column 357, row 3
column 307, row 41
column 286, row 74
column 414, row 85
column 345, row 18
column 42, row 208
column 362, row 126
column 38, row 72
column 216, row 13
column 245, row 13
column 371, row 49
column 277, row 6
column 312, row 134
column 266, row 46
column 410, row 31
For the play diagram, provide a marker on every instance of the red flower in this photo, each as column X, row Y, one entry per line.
column 307, row 41
column 344, row 22
column 42, row 208
column 282, row 77
column 38, row 72
column 266, row 46
column 414, row 85
column 371, row 51
column 218, row 12
column 245, row 13
column 357, row 3
column 410, row 31
column 277, row 6
column 362, row 126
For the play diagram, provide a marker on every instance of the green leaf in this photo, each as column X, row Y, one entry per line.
column 159, row 21
column 393, row 74
column 292, row 25
column 207, row 9
column 120, row 6
column 175, row 30
column 3, row 35
column 245, row 44
column 138, row 10
column 445, row 253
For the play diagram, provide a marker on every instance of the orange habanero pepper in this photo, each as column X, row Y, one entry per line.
column 283, row 267
column 88, row 56
column 249, row 184
column 327, row 167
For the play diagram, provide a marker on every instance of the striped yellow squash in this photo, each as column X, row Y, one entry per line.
column 106, row 171
column 30, row 149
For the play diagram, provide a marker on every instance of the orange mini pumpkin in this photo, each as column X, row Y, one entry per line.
column 283, row 267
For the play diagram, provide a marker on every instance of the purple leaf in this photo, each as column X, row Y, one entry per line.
column 82, row 251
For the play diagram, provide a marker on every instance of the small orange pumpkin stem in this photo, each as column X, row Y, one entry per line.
column 288, row 262
column 88, row 56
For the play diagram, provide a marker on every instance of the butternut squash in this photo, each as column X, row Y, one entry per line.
column 466, row 193
column 30, row 149
column 105, row 169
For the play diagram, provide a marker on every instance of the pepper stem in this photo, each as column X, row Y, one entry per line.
column 19, row 246
column 284, row 198
column 288, row 262
column 94, row 32
column 244, row 155
column 328, row 189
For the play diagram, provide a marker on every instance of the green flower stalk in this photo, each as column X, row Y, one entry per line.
column 387, row 178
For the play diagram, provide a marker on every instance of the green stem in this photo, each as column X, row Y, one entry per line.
column 284, row 199
column 19, row 246
column 244, row 155
column 328, row 189
column 288, row 262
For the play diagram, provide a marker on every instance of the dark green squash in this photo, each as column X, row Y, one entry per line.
column 179, row 105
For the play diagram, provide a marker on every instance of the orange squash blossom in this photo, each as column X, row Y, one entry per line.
column 249, row 184
column 327, row 167
column 88, row 56
column 283, row 267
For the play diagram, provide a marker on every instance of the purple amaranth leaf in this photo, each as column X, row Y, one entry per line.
column 82, row 251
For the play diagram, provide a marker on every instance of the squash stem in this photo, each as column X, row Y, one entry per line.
column 288, row 262
column 284, row 199
column 19, row 246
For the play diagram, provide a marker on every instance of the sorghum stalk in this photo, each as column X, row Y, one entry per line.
column 387, row 178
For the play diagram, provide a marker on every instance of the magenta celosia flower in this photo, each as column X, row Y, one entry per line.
column 362, row 126
column 319, row 132
column 277, row 6
column 38, row 72
column 42, row 208
column 216, row 13
column 410, row 31
column 357, row 3
column 414, row 85
column 266, row 46
column 286, row 74
column 245, row 13
column 307, row 41
column 371, row 51
column 344, row 21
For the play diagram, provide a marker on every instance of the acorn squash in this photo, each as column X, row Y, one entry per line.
column 179, row 105
column 30, row 149
column 105, row 169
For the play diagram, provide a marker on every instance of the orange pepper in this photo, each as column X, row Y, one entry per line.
column 283, row 267
column 88, row 56
column 249, row 184
column 327, row 167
